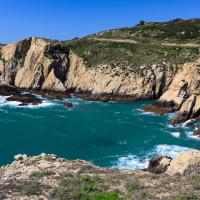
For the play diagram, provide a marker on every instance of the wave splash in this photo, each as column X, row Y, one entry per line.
column 134, row 162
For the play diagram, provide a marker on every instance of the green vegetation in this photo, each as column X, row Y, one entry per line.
column 195, row 182
column 156, row 43
column 83, row 188
column 175, row 31
column 43, row 173
column 187, row 197
column 29, row 190
column 134, row 187
column 134, row 56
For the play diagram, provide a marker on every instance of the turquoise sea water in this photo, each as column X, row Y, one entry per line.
column 108, row 134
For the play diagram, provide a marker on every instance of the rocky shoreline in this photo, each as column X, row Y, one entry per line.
column 54, row 69
column 50, row 177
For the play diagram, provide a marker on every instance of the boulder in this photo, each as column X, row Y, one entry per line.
column 20, row 156
column 25, row 99
column 186, row 163
column 159, row 164
column 161, row 107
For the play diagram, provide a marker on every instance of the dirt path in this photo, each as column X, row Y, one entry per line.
column 189, row 45
column 115, row 40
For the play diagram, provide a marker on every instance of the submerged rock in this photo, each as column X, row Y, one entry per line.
column 159, row 164
column 69, row 105
column 25, row 99
column 197, row 132
column 161, row 107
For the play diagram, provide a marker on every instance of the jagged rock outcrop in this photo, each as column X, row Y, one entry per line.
column 185, row 164
column 183, row 94
column 159, row 164
column 107, row 83
column 34, row 63
column 197, row 132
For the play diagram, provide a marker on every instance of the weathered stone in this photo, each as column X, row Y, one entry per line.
column 161, row 107
column 7, row 90
column 159, row 164
column 185, row 164
column 197, row 132
column 20, row 156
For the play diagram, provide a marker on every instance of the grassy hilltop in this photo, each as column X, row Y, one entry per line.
column 174, row 42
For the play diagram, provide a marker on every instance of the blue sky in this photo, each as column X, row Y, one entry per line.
column 65, row 19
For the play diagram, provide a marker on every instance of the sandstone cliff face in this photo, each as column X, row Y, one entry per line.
column 184, row 91
column 116, row 82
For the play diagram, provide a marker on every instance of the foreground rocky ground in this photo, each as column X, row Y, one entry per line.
column 50, row 177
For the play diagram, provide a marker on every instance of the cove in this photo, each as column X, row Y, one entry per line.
column 108, row 134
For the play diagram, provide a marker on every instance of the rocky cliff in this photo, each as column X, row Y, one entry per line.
column 40, row 64
column 34, row 63
column 50, row 177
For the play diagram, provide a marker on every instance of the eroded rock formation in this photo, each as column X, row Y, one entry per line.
column 34, row 63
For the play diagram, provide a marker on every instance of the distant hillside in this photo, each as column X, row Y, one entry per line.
column 176, row 31
column 174, row 42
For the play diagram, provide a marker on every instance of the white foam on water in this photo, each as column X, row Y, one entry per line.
column 142, row 112
column 123, row 142
column 131, row 162
column 170, row 150
column 135, row 162
column 171, row 115
column 170, row 126
column 175, row 134
column 44, row 103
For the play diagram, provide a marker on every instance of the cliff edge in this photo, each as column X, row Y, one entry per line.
column 50, row 177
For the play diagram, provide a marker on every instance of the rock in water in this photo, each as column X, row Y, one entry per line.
column 161, row 107
column 69, row 105
column 197, row 132
column 25, row 99
column 159, row 164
